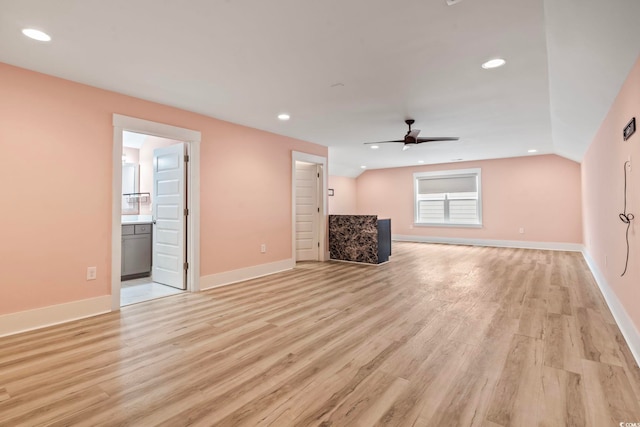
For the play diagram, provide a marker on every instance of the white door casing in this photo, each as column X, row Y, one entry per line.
column 307, row 212
column 169, row 201
column 193, row 139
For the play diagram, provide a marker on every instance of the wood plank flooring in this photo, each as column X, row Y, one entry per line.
column 440, row 336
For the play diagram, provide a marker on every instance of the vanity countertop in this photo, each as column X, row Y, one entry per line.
column 136, row 219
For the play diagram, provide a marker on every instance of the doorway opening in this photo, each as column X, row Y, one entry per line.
column 155, row 226
column 309, row 202
column 154, row 197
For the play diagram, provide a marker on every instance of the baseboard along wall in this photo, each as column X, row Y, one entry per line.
column 242, row 274
column 23, row 321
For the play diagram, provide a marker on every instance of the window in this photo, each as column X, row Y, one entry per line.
column 448, row 198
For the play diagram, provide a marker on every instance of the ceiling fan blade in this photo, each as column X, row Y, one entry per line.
column 434, row 138
column 384, row 142
column 411, row 138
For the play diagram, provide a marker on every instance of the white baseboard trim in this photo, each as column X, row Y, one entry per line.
column 242, row 274
column 552, row 246
column 28, row 320
column 628, row 329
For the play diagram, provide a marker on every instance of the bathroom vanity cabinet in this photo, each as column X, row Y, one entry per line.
column 136, row 250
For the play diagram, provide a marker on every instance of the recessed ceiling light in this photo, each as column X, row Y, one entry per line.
column 36, row 34
column 532, row 151
column 421, row 161
column 375, row 147
column 363, row 167
column 494, row 63
column 284, row 116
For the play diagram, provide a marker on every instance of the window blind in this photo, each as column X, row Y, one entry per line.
column 457, row 184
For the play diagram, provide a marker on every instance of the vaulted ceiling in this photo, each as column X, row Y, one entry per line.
column 351, row 71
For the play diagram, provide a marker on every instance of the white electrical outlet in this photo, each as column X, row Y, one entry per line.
column 263, row 248
column 521, row 230
column 92, row 273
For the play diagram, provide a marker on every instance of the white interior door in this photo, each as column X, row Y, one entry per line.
column 169, row 215
column 307, row 212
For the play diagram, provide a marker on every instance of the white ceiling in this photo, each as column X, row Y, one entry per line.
column 351, row 71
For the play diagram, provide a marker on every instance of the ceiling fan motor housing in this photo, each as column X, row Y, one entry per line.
column 411, row 137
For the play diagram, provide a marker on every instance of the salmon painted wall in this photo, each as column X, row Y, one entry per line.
column 56, row 139
column 539, row 193
column 343, row 201
column 603, row 189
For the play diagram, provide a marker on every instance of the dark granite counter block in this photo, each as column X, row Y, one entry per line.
column 355, row 238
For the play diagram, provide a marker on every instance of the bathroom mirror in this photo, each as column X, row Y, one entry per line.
column 130, row 184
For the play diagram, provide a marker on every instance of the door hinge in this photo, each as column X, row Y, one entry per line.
column 186, row 212
column 318, row 210
column 186, row 157
column 318, row 244
column 186, row 266
column 318, row 174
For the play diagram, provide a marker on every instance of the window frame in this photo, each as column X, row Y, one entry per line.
column 477, row 172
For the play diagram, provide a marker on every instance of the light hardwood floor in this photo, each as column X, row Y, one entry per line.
column 440, row 336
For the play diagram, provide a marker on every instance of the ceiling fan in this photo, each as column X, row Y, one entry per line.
column 411, row 138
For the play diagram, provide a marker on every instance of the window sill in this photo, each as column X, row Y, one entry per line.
column 423, row 224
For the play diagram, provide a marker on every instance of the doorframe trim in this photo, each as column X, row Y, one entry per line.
column 192, row 139
column 297, row 156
